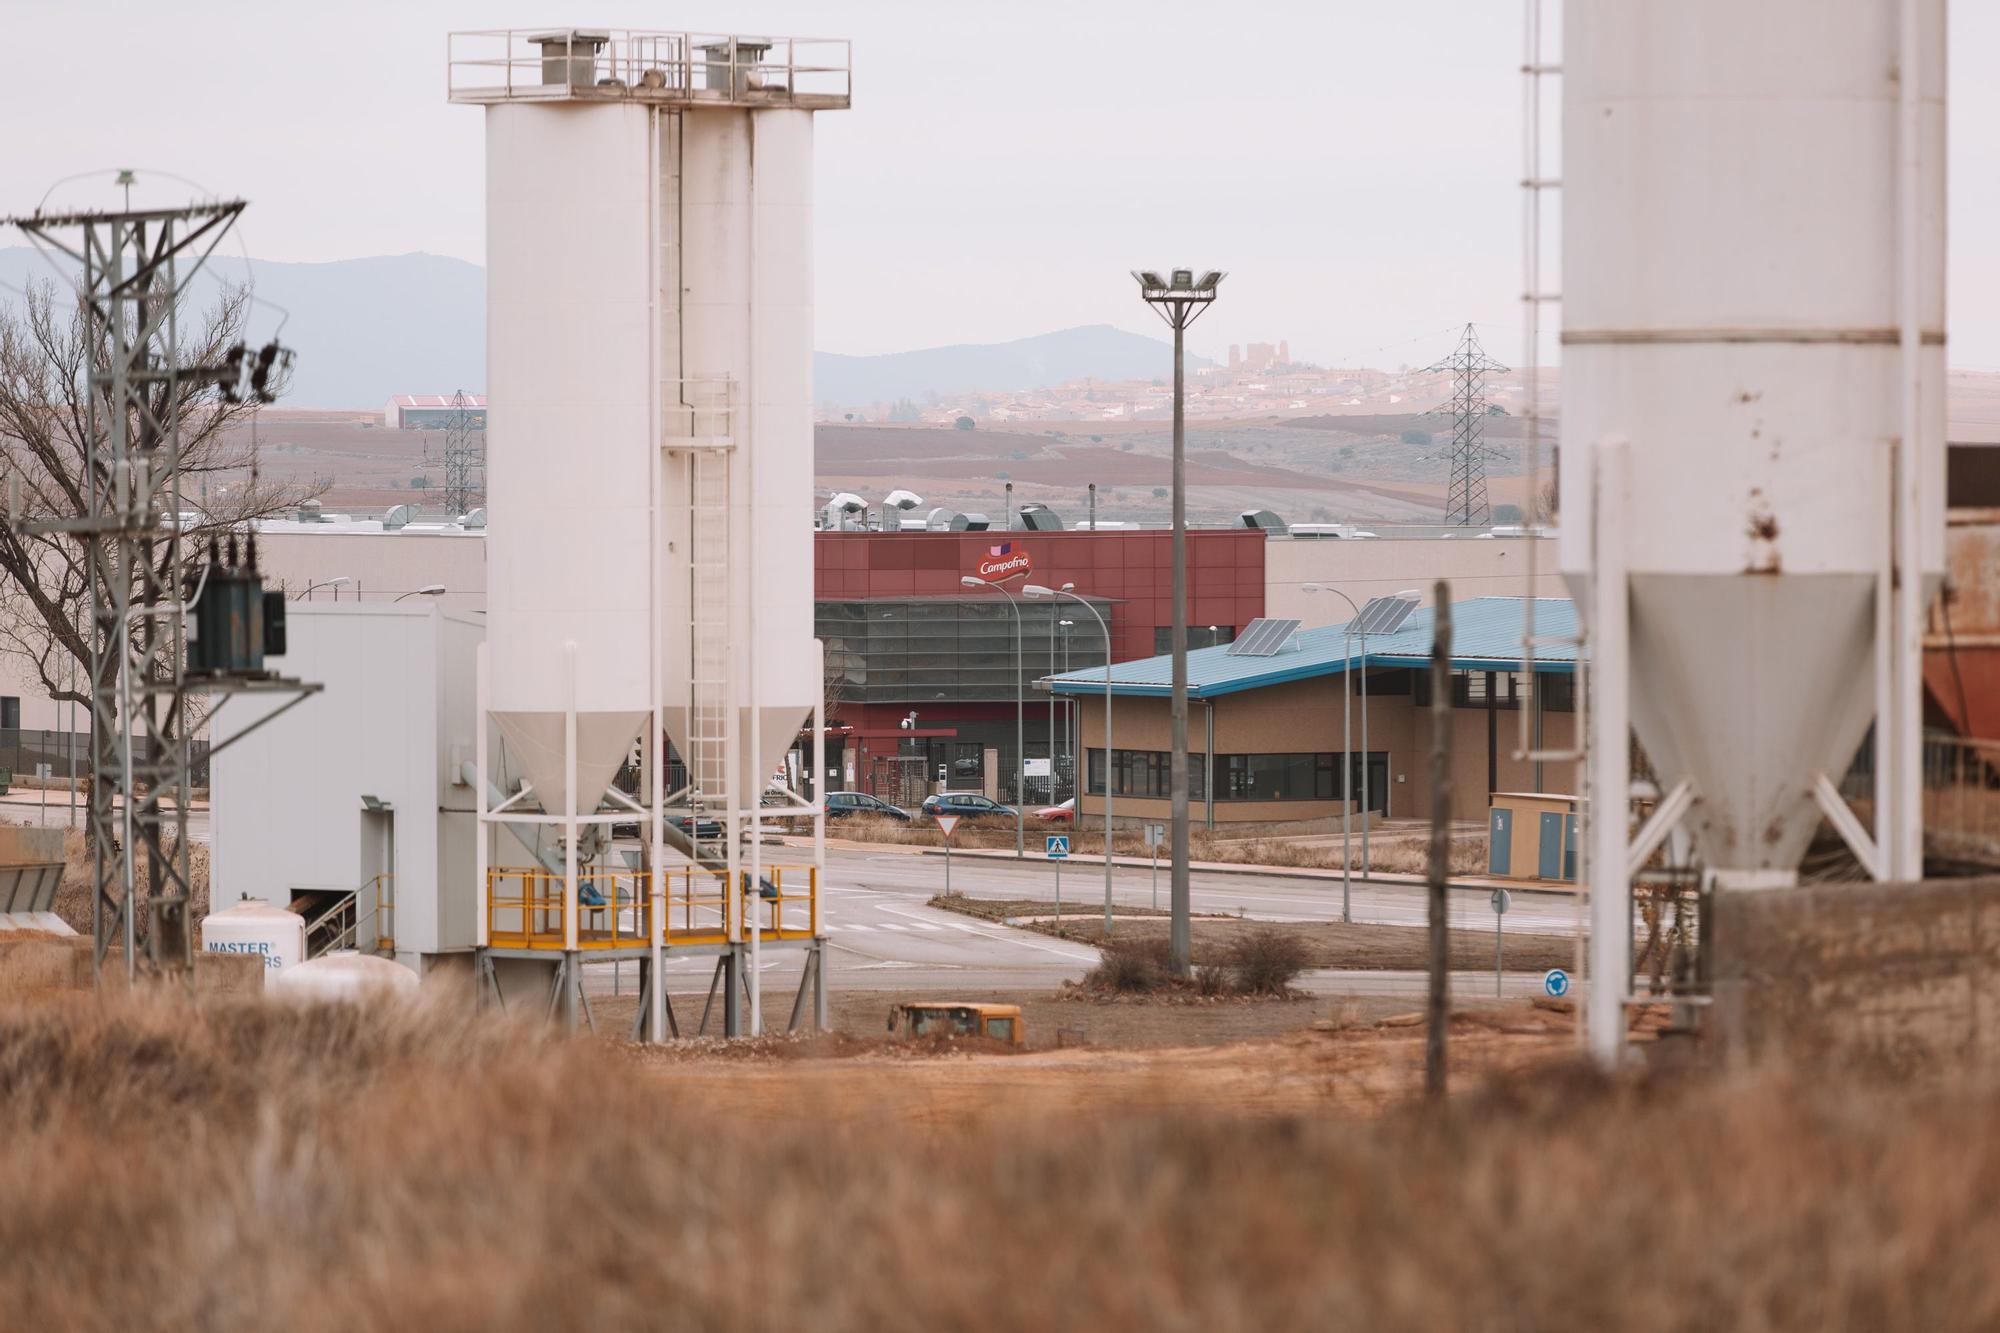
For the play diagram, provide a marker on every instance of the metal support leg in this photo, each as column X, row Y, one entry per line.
column 732, row 993
column 820, row 1023
column 715, row 979
column 805, row 984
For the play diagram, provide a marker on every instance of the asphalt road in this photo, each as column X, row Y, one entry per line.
column 881, row 936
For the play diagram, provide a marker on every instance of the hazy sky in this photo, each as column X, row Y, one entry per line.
column 1351, row 163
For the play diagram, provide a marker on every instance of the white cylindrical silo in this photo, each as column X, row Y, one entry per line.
column 569, row 310
column 737, row 229
column 1733, row 311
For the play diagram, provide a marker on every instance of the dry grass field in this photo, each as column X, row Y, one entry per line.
column 247, row 1165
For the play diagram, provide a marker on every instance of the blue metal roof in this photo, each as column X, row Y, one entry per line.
column 1485, row 636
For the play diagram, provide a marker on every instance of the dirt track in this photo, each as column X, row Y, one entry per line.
column 1357, row 1068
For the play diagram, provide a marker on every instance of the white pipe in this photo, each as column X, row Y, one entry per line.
column 653, row 898
column 1610, row 761
column 756, row 776
column 1906, row 855
column 482, row 890
column 569, row 802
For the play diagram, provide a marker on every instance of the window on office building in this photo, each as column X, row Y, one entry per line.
column 1499, row 690
column 1199, row 636
column 1147, row 774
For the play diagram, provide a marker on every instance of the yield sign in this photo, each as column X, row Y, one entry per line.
column 948, row 823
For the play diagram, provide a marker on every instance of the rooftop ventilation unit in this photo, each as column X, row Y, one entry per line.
column 309, row 512
column 903, row 500
column 474, row 520
column 1262, row 518
column 941, row 519
column 398, row 517
column 970, row 523
column 1040, row 518
column 569, row 59
column 842, row 508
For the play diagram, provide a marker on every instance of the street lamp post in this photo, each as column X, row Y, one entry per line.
column 1348, row 632
column 323, row 583
column 1179, row 300
column 1036, row 591
column 428, row 590
column 1020, row 730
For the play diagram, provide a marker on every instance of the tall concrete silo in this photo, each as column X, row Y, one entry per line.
column 1753, row 416
column 649, row 449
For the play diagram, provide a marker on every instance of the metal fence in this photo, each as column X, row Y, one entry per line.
column 1962, row 799
column 65, row 755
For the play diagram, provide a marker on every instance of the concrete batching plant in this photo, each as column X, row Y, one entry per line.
column 649, row 348
column 1753, row 357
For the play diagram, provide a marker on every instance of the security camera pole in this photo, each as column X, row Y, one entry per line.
column 1179, row 301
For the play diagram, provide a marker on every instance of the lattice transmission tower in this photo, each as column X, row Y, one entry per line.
column 134, row 269
column 1465, row 501
column 463, row 460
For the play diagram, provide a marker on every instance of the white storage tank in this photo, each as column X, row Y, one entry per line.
column 1732, row 312
column 255, row 926
column 346, row 975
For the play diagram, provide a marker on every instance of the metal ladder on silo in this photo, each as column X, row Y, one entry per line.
column 1534, row 69
column 706, row 406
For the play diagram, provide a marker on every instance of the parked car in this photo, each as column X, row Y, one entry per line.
column 1064, row 813
column 710, row 828
column 702, row 832
column 970, row 804
column 840, row 804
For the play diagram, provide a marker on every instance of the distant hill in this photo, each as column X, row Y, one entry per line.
column 1095, row 350
column 367, row 328
column 362, row 328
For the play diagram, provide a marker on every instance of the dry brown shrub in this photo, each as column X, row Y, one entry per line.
column 1267, row 962
column 1130, row 966
column 250, row 1166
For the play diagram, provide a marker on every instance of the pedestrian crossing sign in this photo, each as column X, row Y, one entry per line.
column 1058, row 846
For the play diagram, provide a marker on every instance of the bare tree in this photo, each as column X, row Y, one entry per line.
column 47, row 353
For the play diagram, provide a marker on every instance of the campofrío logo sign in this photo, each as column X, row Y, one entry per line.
column 1003, row 561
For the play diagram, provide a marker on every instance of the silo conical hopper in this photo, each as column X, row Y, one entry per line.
column 1731, row 314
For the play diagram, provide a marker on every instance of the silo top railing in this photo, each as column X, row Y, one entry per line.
column 616, row 64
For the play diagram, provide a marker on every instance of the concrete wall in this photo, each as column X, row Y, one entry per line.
column 1902, row 974
column 1476, row 567
column 394, row 719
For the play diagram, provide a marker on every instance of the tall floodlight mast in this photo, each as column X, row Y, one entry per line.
column 1179, row 301
column 135, row 267
column 1465, row 502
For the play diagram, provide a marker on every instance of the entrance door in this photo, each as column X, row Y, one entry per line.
column 1550, row 861
column 377, row 880
column 1500, row 842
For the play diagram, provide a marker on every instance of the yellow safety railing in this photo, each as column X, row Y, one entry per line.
column 798, row 890
column 524, row 907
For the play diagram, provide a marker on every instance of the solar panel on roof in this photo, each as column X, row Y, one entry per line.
column 1262, row 637
column 1383, row 615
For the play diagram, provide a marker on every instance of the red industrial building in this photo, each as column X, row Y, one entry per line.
column 920, row 667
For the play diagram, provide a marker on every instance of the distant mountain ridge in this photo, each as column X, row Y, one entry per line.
column 1096, row 351
column 363, row 329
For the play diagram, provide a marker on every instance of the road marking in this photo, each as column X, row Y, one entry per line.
column 890, row 925
column 1016, row 937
